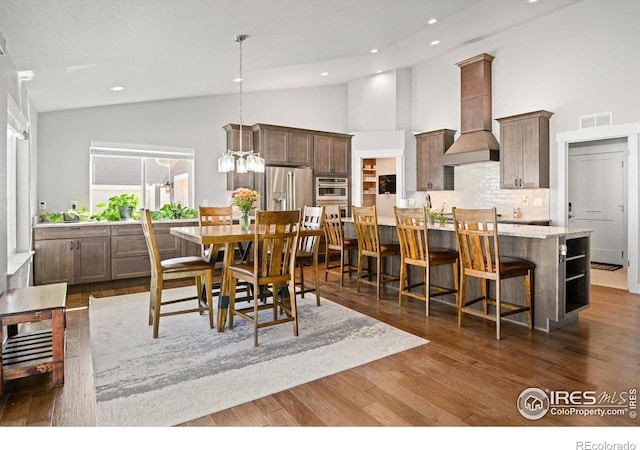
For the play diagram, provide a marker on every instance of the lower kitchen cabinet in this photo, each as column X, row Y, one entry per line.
column 92, row 253
column 73, row 255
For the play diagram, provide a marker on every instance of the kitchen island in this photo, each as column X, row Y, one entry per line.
column 561, row 256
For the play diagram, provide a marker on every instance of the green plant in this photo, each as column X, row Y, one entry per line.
column 51, row 217
column 436, row 216
column 112, row 208
column 174, row 211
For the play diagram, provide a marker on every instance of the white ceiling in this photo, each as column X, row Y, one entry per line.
column 161, row 49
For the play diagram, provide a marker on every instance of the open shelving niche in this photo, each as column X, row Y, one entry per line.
column 576, row 278
column 369, row 182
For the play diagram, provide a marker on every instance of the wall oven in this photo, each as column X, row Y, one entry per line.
column 332, row 188
column 333, row 192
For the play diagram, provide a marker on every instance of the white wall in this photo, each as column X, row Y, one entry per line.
column 380, row 102
column 191, row 122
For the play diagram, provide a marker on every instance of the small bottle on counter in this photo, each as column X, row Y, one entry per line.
column 516, row 213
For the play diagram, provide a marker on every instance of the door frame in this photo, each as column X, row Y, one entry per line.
column 560, row 218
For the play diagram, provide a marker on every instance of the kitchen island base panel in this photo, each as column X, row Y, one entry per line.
column 554, row 296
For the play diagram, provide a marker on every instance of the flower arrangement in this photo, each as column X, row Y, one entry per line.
column 244, row 199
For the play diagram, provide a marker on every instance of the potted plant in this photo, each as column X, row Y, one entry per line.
column 174, row 211
column 119, row 207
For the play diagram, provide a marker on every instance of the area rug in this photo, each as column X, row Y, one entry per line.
column 191, row 371
column 605, row 266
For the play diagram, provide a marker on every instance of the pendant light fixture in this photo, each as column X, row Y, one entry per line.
column 247, row 160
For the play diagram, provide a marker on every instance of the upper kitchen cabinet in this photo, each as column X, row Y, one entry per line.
column 332, row 155
column 524, row 150
column 237, row 180
column 283, row 146
column 431, row 174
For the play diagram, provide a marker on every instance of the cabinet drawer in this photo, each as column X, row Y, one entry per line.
column 130, row 267
column 70, row 232
column 125, row 246
column 127, row 230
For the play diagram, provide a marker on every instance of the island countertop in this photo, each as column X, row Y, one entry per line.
column 505, row 229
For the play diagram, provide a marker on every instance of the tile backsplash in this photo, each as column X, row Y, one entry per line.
column 477, row 185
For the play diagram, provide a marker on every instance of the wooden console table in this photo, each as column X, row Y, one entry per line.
column 26, row 354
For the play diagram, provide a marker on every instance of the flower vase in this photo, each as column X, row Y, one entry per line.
column 244, row 220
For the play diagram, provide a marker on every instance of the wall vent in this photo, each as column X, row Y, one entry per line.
column 596, row 120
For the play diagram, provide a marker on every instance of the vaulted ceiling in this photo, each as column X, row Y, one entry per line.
column 71, row 52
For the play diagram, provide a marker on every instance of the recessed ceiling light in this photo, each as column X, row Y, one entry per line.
column 432, row 21
column 374, row 50
column 435, row 42
column 237, row 80
column 117, row 88
column 532, row 1
column 324, row 74
column 379, row 71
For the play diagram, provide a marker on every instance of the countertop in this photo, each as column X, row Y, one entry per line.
column 505, row 229
column 104, row 223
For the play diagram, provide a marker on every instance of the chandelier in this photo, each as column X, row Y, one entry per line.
column 247, row 160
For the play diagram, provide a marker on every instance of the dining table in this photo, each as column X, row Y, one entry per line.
column 229, row 236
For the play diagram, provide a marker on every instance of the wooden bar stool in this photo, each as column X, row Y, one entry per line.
column 477, row 234
column 413, row 234
column 336, row 243
column 365, row 220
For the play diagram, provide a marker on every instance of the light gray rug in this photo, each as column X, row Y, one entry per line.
column 191, row 371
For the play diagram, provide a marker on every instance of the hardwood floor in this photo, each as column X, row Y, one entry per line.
column 464, row 376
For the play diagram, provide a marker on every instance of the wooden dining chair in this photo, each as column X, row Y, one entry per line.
column 173, row 269
column 365, row 219
column 214, row 216
column 214, row 253
column 273, row 266
column 478, row 244
column 311, row 232
column 336, row 243
column 413, row 234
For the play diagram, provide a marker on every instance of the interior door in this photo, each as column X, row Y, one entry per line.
column 597, row 200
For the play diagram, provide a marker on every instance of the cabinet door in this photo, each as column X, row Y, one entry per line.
column 54, row 261
column 92, row 260
column 299, row 149
column 340, row 156
column 510, row 155
column 423, row 161
column 531, row 170
column 322, row 154
column 275, row 146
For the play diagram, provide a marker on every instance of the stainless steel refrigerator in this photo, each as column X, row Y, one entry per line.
column 288, row 188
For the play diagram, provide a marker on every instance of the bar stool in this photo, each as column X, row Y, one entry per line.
column 365, row 220
column 413, row 234
column 477, row 234
column 336, row 243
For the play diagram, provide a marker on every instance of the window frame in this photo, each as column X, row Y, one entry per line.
column 144, row 152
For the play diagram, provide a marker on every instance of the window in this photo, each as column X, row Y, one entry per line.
column 18, row 215
column 158, row 175
column 11, row 192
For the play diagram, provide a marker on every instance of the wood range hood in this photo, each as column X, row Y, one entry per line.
column 476, row 142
